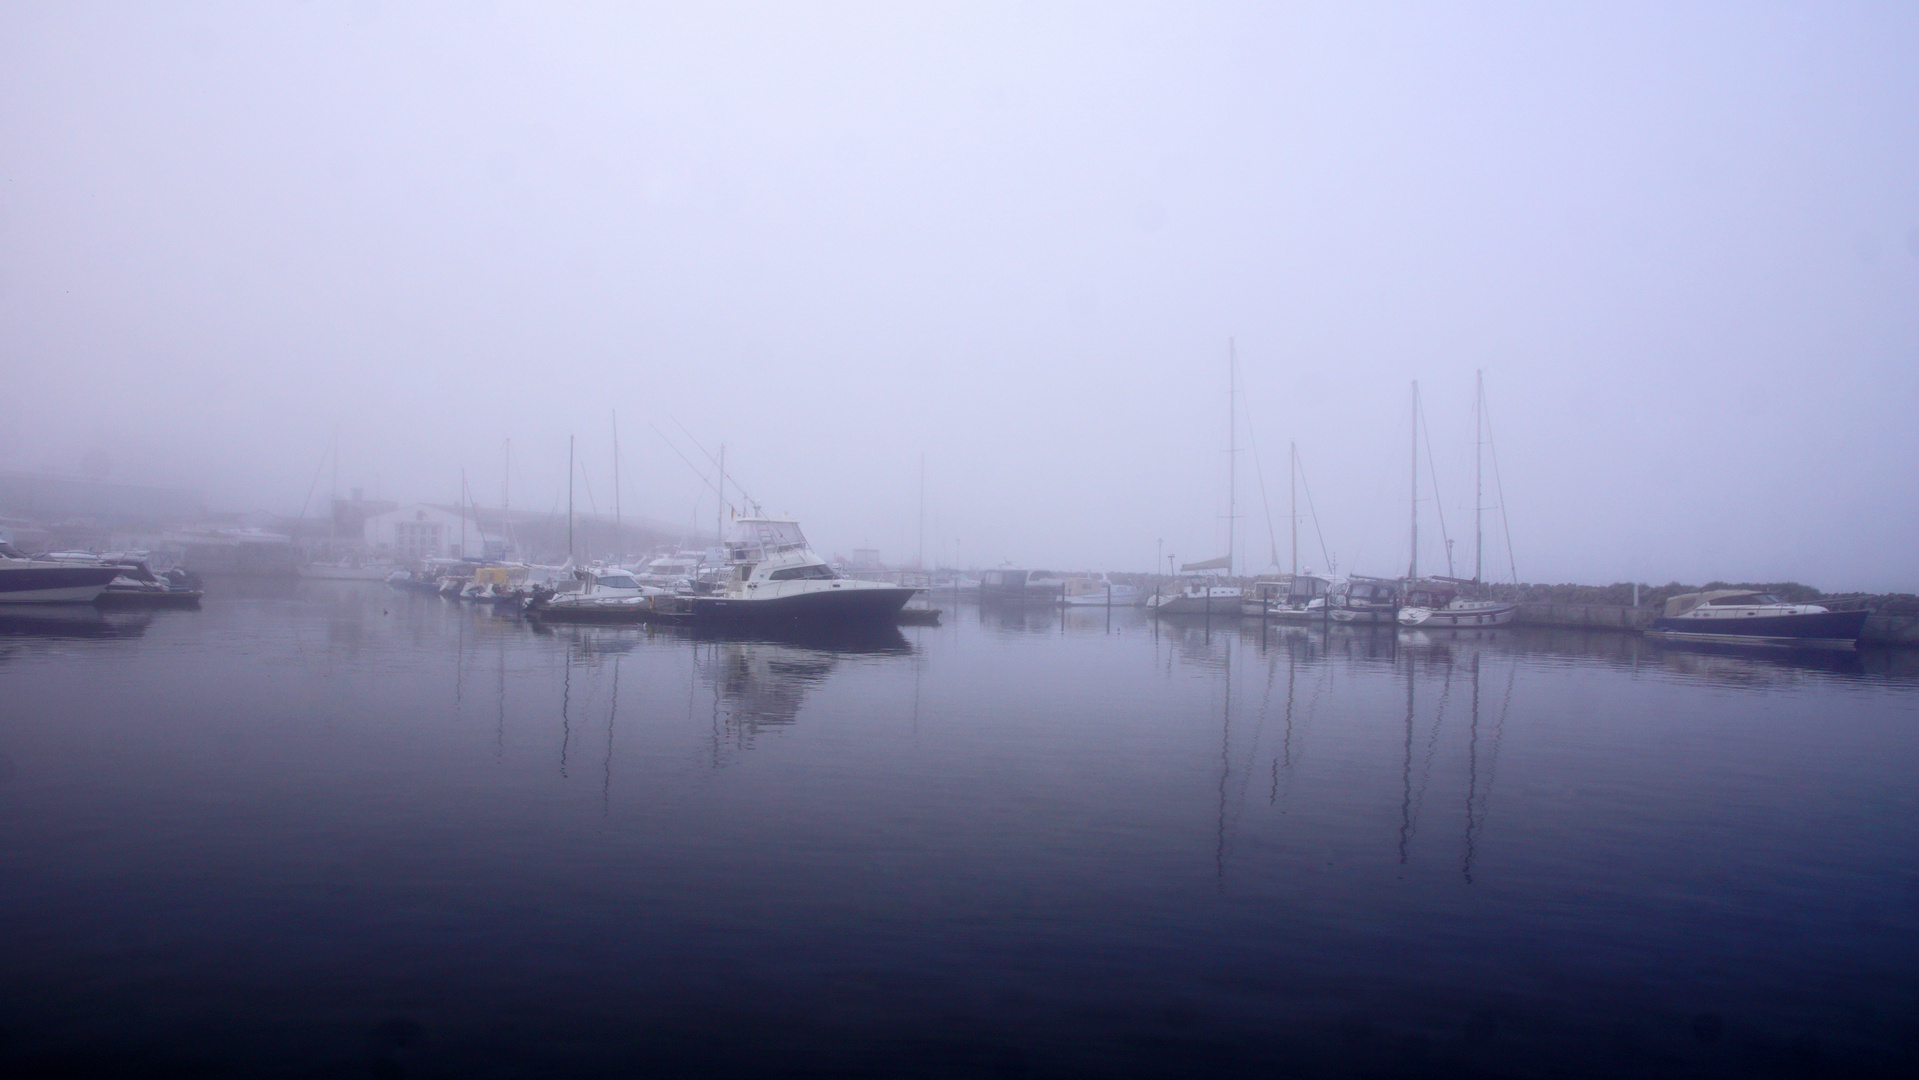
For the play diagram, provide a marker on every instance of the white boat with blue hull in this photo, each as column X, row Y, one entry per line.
column 35, row 581
column 1747, row 617
column 778, row 579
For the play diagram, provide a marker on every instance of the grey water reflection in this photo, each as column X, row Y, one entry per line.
column 1037, row 841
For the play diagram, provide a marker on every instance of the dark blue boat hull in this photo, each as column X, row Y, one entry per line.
column 824, row 606
column 1826, row 626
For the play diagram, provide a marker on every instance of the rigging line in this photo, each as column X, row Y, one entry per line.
column 704, row 479
column 588, row 481
column 744, row 494
column 316, row 483
column 1500, row 488
column 1432, row 469
column 1260, row 471
column 1323, row 553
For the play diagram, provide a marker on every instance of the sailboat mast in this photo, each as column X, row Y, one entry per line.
column 333, row 498
column 1292, row 477
column 569, row 498
column 719, row 516
column 463, row 501
column 1232, row 449
column 919, row 560
column 618, row 541
column 1479, row 397
column 1412, row 567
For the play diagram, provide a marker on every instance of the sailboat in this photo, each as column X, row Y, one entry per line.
column 1438, row 604
column 1198, row 595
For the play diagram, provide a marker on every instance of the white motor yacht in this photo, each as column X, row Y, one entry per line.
column 41, row 581
column 778, row 578
column 610, row 593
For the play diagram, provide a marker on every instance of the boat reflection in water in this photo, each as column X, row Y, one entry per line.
column 759, row 678
column 70, row 621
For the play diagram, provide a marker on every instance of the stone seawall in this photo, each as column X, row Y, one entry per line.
column 1585, row 616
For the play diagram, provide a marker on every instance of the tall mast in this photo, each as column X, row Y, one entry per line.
column 1232, row 450
column 463, row 514
column 333, row 498
column 618, row 541
column 1479, row 396
column 719, row 515
column 1412, row 567
column 1292, row 478
column 919, row 560
column 569, row 498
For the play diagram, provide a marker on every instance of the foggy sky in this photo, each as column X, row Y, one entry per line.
column 1681, row 240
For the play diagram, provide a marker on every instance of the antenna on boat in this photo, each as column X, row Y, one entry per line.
column 746, row 497
column 704, row 479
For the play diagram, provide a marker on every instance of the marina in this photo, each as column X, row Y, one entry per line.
column 607, row 540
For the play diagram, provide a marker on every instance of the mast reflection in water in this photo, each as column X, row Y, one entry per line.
column 349, row 830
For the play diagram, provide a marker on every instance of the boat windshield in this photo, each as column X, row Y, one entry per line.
column 619, row 581
column 9, row 551
column 817, row 572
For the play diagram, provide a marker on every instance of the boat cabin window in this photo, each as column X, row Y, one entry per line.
column 803, row 573
column 619, row 581
column 1745, row 600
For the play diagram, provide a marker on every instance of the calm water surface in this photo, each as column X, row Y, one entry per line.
column 346, row 832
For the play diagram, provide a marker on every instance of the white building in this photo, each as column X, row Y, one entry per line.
column 420, row 531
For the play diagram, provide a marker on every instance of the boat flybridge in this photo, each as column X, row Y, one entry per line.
column 775, row 576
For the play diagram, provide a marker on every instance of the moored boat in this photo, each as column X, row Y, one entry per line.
column 1432, row 605
column 37, row 581
column 1098, row 592
column 1198, row 597
column 1364, row 600
column 778, row 578
column 1748, row 617
column 1304, row 598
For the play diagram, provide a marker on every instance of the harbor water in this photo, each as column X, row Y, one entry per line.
column 334, row 830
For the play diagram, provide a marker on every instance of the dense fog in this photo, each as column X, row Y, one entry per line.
column 992, row 260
